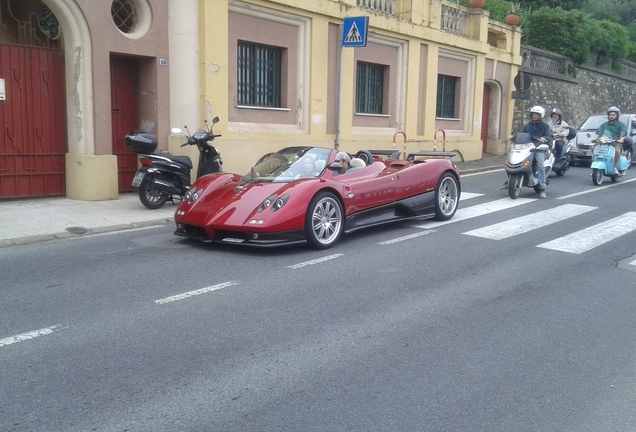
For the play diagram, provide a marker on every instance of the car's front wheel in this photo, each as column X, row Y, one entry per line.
column 324, row 221
column 446, row 197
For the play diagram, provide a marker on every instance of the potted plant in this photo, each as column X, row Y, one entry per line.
column 477, row 3
column 48, row 24
column 513, row 16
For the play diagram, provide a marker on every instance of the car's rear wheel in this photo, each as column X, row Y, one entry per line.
column 597, row 176
column 150, row 196
column 446, row 197
column 514, row 186
column 324, row 221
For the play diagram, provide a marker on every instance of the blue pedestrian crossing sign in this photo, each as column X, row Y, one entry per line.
column 354, row 31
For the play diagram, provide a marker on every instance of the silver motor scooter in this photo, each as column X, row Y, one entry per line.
column 520, row 164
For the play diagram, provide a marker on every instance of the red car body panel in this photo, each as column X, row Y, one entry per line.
column 229, row 207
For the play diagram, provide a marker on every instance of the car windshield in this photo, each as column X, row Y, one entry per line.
column 594, row 122
column 290, row 164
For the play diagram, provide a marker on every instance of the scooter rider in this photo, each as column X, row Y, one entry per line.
column 538, row 131
column 617, row 130
column 560, row 130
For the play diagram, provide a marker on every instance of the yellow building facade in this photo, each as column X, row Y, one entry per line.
column 433, row 76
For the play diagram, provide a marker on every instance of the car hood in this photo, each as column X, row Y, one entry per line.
column 235, row 204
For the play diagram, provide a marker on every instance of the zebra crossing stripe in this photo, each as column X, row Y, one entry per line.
column 477, row 210
column 594, row 236
column 524, row 224
column 468, row 195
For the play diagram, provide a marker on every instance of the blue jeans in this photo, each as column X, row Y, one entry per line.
column 539, row 159
column 559, row 148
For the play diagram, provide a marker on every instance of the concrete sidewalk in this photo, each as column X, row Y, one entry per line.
column 42, row 219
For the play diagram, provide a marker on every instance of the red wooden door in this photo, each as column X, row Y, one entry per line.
column 485, row 113
column 124, row 82
column 32, row 122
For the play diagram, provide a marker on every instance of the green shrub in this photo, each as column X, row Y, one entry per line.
column 569, row 33
column 613, row 44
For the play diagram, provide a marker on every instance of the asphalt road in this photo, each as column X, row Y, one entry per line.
column 410, row 327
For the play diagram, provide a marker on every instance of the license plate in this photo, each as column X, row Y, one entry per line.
column 139, row 176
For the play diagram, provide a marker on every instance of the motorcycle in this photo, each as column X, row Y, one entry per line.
column 521, row 167
column 603, row 161
column 164, row 177
column 562, row 160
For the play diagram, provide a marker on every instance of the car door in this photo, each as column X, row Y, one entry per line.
column 369, row 187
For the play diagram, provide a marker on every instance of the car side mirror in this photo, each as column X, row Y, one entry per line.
column 334, row 166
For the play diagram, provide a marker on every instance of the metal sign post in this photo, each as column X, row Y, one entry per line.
column 353, row 33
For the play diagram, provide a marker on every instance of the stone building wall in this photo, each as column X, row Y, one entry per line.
column 585, row 90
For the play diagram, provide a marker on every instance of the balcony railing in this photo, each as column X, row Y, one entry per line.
column 454, row 21
column 544, row 61
column 382, row 6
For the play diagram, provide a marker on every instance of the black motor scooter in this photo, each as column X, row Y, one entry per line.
column 165, row 177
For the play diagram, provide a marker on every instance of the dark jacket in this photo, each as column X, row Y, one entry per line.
column 538, row 130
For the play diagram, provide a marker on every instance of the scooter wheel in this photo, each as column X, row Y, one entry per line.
column 514, row 186
column 150, row 196
column 597, row 176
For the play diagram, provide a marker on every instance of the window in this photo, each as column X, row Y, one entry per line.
column 259, row 75
column 446, row 86
column 370, row 88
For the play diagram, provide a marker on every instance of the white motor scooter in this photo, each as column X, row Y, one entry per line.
column 521, row 167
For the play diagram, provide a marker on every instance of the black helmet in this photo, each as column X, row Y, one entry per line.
column 557, row 112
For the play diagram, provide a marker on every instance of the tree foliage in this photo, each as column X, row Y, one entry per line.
column 573, row 28
column 569, row 33
column 532, row 5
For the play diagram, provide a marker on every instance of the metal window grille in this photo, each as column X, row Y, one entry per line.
column 124, row 15
column 369, row 88
column 259, row 75
column 446, row 96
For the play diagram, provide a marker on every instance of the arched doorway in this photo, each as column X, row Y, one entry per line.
column 32, row 115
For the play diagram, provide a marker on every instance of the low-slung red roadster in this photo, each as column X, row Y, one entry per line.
column 296, row 195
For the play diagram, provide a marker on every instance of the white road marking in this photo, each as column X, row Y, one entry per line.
column 468, row 195
column 408, row 237
column 477, row 210
column 196, row 292
column 26, row 336
column 591, row 237
column 482, row 172
column 529, row 222
column 314, row 261
column 596, row 189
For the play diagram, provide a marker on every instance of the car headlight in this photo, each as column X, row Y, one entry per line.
column 267, row 203
column 194, row 195
column 280, row 202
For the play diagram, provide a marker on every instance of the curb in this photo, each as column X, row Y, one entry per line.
column 77, row 232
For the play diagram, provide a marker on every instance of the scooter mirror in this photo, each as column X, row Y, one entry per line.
column 215, row 120
column 175, row 130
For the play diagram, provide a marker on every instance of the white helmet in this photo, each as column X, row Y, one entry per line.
column 537, row 109
column 614, row 109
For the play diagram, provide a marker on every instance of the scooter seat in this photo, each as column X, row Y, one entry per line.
column 183, row 160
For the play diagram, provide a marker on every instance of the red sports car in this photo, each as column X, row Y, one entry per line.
column 297, row 195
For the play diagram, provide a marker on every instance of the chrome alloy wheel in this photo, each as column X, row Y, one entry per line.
column 324, row 222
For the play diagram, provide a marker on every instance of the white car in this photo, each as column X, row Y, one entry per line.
column 581, row 149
